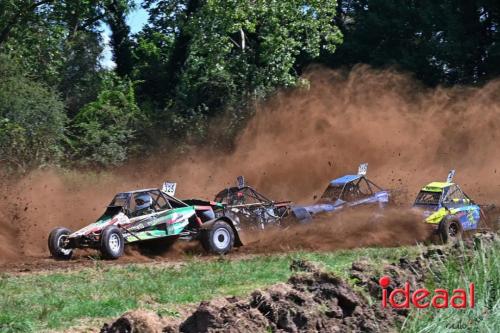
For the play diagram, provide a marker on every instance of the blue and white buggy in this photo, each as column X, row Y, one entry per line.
column 346, row 191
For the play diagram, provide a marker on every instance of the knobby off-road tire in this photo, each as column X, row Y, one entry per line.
column 450, row 231
column 112, row 242
column 218, row 239
column 56, row 238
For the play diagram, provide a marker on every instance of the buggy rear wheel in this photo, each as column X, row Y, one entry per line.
column 219, row 238
column 57, row 238
column 450, row 231
column 112, row 242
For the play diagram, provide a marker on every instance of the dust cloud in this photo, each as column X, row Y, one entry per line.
column 345, row 230
column 297, row 141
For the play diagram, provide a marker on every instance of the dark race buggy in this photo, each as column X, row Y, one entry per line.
column 250, row 208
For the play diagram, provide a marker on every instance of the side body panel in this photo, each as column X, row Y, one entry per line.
column 157, row 225
column 468, row 216
column 306, row 212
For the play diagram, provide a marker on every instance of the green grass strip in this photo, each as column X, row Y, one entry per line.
column 58, row 300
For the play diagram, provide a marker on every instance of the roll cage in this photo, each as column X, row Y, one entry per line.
column 240, row 196
column 161, row 201
column 358, row 188
column 448, row 196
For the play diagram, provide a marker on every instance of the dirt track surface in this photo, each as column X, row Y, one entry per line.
column 46, row 264
column 353, row 229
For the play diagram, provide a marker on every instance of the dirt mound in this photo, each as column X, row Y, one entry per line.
column 138, row 321
column 316, row 301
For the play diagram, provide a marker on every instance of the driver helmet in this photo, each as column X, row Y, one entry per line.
column 142, row 201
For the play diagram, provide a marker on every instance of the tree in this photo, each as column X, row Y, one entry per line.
column 103, row 132
column 223, row 55
column 15, row 12
column 58, row 43
column 450, row 41
column 32, row 120
column 121, row 43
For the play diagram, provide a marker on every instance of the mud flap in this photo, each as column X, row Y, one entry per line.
column 207, row 225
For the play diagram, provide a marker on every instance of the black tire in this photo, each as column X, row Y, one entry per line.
column 218, row 239
column 56, row 237
column 450, row 231
column 112, row 242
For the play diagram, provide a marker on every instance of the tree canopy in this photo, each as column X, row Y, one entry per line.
column 199, row 60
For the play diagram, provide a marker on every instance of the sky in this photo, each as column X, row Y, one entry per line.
column 136, row 20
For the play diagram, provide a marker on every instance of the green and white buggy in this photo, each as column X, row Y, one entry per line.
column 149, row 217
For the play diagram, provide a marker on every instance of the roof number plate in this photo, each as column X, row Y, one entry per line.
column 363, row 168
column 241, row 181
column 169, row 188
column 450, row 176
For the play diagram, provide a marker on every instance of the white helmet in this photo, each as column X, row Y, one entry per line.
column 142, row 201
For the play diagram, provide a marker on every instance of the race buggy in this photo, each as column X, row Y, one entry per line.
column 250, row 208
column 449, row 212
column 346, row 191
column 148, row 216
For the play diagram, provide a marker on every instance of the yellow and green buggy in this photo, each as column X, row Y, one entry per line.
column 449, row 212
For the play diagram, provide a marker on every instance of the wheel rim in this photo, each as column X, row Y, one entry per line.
column 221, row 238
column 453, row 230
column 114, row 243
column 60, row 244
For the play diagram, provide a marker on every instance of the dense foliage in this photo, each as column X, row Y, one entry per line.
column 442, row 42
column 200, row 60
column 32, row 120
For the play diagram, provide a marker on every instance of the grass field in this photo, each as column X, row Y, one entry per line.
column 54, row 301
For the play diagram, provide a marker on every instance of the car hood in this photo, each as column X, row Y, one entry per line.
column 431, row 214
column 104, row 221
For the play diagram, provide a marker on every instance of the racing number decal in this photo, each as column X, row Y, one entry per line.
column 474, row 216
column 469, row 218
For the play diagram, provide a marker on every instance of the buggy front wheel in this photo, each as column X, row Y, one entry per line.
column 57, row 238
column 112, row 242
column 450, row 231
